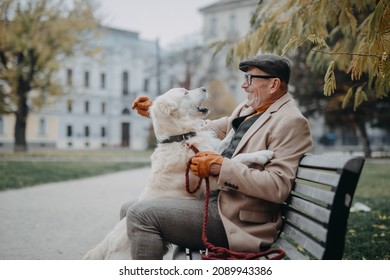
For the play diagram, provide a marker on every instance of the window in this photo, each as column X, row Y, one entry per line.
column 125, row 83
column 69, row 105
column 146, row 85
column 1, row 125
column 103, row 108
column 69, row 131
column 103, row 131
column 69, row 77
column 213, row 27
column 103, row 80
column 232, row 32
column 86, row 105
column 86, row 131
column 86, row 79
column 42, row 127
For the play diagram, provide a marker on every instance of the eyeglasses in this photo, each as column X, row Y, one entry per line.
column 249, row 77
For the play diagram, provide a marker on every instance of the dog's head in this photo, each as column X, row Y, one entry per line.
column 178, row 111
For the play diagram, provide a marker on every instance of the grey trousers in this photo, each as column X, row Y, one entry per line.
column 151, row 225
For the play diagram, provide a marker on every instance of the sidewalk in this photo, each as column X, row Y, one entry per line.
column 62, row 221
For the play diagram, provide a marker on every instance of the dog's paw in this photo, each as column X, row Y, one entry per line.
column 266, row 153
column 259, row 157
column 242, row 158
column 262, row 157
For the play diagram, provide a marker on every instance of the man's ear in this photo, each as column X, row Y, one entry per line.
column 276, row 84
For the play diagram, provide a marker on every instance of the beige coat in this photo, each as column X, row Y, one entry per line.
column 250, row 197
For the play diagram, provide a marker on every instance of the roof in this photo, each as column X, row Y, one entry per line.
column 226, row 4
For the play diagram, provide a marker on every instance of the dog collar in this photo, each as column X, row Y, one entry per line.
column 178, row 138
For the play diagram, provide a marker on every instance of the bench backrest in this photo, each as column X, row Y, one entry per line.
column 315, row 215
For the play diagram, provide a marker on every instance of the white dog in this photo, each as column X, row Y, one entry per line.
column 178, row 123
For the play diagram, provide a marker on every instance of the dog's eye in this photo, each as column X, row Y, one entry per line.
column 185, row 92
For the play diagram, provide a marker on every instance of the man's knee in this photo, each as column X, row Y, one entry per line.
column 137, row 215
column 124, row 208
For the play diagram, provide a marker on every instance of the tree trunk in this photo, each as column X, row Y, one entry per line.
column 366, row 141
column 20, row 144
column 361, row 132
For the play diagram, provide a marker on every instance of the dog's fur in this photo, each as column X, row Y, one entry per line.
column 176, row 112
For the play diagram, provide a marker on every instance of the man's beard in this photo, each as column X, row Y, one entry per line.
column 255, row 101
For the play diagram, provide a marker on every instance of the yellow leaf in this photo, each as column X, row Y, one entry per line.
column 360, row 96
column 319, row 41
column 379, row 226
column 330, row 80
column 292, row 41
column 347, row 98
column 312, row 37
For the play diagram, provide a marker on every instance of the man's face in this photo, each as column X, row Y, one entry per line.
column 259, row 91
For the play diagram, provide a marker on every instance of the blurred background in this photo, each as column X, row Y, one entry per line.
column 70, row 70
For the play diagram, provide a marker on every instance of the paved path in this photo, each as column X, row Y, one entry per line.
column 62, row 221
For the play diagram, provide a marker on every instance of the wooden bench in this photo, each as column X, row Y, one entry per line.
column 316, row 213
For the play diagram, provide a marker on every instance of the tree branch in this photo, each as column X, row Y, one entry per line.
column 348, row 53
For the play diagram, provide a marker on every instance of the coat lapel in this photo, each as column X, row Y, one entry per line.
column 261, row 120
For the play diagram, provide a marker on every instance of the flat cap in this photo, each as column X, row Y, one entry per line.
column 271, row 64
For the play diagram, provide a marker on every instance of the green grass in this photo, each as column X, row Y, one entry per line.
column 88, row 155
column 16, row 174
column 368, row 233
column 28, row 169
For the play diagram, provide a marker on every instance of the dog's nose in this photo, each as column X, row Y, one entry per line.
column 203, row 89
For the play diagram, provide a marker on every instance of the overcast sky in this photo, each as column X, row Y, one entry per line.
column 166, row 20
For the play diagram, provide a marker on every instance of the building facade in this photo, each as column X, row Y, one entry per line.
column 95, row 110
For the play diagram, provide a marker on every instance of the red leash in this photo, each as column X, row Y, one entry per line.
column 221, row 253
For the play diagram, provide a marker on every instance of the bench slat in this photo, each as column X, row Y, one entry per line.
column 316, row 230
column 333, row 162
column 309, row 244
column 314, row 193
column 316, row 212
column 290, row 250
column 313, row 175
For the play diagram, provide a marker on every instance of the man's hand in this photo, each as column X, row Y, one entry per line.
column 142, row 105
column 207, row 163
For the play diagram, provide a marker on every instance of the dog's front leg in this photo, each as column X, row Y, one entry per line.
column 259, row 157
column 225, row 142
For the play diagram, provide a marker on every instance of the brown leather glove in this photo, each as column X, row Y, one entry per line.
column 201, row 162
column 142, row 105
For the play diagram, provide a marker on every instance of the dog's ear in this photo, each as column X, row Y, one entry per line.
column 165, row 108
